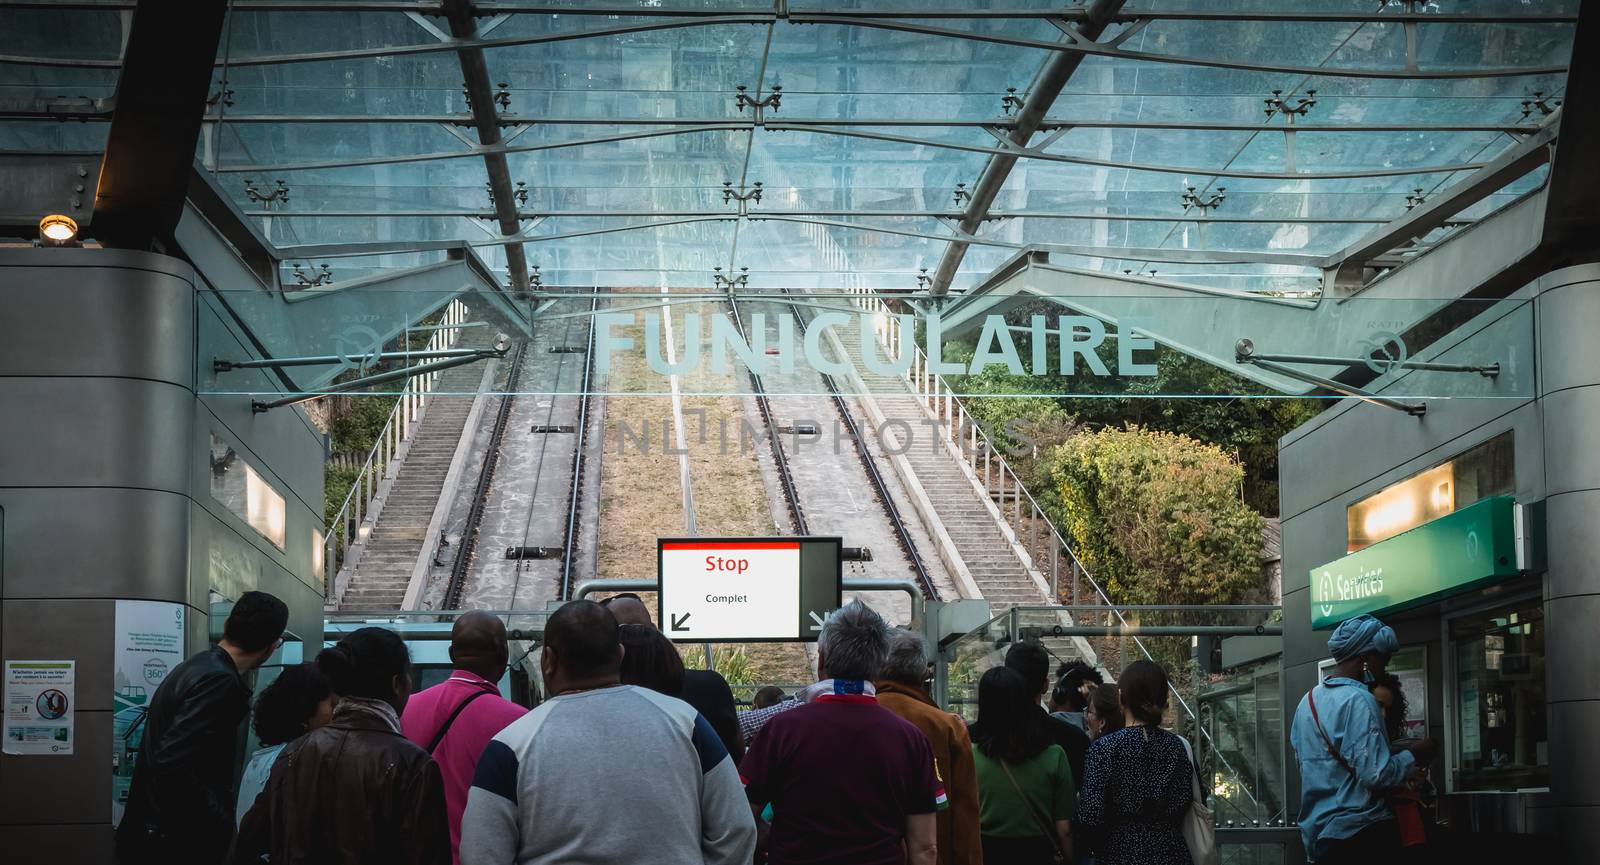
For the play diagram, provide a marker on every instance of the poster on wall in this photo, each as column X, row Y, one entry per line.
column 40, row 707
column 148, row 644
column 1410, row 666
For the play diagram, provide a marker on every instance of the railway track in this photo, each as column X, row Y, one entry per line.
column 535, row 476
column 781, row 459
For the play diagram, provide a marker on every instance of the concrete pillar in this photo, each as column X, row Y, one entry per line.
column 1568, row 317
column 105, row 494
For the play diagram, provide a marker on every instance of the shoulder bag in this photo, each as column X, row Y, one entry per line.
column 439, row 736
column 1046, row 825
column 1199, row 830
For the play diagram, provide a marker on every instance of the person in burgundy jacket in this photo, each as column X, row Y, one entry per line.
column 455, row 719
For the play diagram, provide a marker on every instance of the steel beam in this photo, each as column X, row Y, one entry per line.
column 1572, row 210
column 1346, row 273
column 852, row 19
column 1041, row 98
column 34, row 184
column 944, row 12
column 82, row 108
column 161, row 96
column 994, row 215
column 480, row 92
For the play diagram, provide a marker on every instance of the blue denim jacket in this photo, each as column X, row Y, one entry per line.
column 1336, row 802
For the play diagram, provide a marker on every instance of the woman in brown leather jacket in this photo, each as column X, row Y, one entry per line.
column 355, row 791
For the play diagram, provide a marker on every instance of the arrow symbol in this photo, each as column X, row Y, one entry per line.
column 680, row 623
column 820, row 620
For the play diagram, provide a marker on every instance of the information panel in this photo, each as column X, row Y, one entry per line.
column 745, row 590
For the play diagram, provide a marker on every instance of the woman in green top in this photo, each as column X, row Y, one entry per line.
column 1025, row 785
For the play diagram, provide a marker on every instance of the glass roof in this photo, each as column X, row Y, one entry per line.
column 630, row 140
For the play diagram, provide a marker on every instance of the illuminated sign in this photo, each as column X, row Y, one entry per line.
column 1454, row 553
column 747, row 589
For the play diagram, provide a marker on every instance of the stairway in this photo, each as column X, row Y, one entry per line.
column 989, row 557
column 399, row 535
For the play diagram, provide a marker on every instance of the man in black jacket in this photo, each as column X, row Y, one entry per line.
column 1033, row 662
column 180, row 803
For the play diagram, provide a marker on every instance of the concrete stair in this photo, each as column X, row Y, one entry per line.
column 978, row 538
column 399, row 536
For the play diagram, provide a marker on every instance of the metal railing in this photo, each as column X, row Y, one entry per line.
column 352, row 523
column 970, row 439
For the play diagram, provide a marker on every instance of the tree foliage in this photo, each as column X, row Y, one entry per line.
column 1186, row 395
column 1156, row 516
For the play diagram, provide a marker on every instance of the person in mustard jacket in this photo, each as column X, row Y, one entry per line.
column 901, row 690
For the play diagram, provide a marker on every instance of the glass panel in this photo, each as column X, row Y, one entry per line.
column 244, row 492
column 1486, row 470
column 1501, row 736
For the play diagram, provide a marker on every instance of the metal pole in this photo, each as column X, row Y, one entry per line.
column 381, row 378
column 275, row 363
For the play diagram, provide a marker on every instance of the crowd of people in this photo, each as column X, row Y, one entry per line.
column 861, row 767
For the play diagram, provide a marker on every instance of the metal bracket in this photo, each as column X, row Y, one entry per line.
column 1244, row 352
column 1276, row 104
column 744, row 196
column 720, row 281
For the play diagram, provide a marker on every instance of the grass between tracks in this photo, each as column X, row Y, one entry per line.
column 641, row 498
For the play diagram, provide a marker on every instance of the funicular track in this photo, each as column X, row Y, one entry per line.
column 462, row 570
column 781, row 459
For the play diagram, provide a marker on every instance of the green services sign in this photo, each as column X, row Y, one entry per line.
column 1454, row 553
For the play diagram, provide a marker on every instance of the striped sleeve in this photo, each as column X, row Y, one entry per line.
column 489, row 828
column 707, row 744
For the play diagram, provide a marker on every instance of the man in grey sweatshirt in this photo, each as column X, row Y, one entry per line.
column 533, row 795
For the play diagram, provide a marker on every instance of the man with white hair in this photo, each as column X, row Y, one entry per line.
column 849, row 782
column 1344, row 755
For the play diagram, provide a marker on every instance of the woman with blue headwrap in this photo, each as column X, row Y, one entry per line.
column 1344, row 756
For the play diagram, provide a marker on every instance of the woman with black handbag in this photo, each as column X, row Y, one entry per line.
column 1026, row 792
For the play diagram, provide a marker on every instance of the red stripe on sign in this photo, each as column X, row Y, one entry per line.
column 734, row 545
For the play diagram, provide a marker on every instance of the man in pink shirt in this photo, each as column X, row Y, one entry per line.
column 455, row 719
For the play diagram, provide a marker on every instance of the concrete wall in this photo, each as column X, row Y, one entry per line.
column 1356, row 449
column 105, row 494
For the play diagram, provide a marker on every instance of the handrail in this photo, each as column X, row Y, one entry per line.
column 927, row 386
column 357, row 513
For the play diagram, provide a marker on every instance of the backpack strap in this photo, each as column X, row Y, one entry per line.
column 445, row 728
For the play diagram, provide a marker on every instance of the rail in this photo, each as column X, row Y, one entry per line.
column 356, row 515
column 575, row 502
column 868, row 462
column 780, row 460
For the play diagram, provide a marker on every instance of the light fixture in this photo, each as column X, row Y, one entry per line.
column 58, row 229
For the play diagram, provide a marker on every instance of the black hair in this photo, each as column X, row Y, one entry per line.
column 1394, row 717
column 284, row 707
column 584, row 636
column 365, row 663
column 649, row 660
column 256, row 622
column 1032, row 662
column 1010, row 725
column 1070, row 677
column 1107, row 707
column 1142, row 690
column 620, row 596
column 770, row 695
